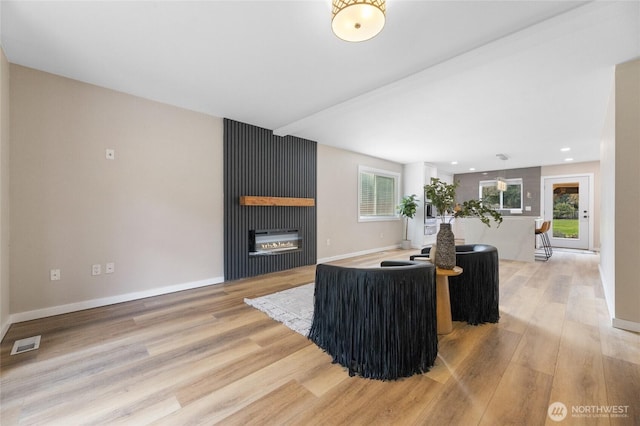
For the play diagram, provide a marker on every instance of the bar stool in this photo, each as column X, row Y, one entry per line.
column 544, row 240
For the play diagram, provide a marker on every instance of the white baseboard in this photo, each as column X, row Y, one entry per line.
column 358, row 253
column 604, row 282
column 4, row 329
column 616, row 322
column 625, row 325
column 95, row 303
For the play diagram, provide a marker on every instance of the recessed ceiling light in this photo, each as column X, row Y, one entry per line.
column 454, row 162
column 472, row 168
column 568, row 159
column 565, row 149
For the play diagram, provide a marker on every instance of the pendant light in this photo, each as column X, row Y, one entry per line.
column 501, row 183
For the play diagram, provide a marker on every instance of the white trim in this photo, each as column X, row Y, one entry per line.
column 378, row 218
column 358, row 253
column 5, row 328
column 95, row 303
column 617, row 322
column 625, row 325
column 610, row 304
column 592, row 204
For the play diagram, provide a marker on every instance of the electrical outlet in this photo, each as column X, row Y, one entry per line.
column 328, row 241
column 109, row 268
column 110, row 154
column 54, row 275
column 96, row 269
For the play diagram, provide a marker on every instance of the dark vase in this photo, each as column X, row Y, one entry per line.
column 445, row 247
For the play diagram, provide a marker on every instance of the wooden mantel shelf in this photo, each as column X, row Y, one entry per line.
column 249, row 200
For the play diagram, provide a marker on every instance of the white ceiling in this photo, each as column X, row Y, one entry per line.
column 445, row 80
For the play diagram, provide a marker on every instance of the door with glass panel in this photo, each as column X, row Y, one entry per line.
column 566, row 205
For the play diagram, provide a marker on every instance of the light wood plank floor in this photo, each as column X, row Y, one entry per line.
column 204, row 357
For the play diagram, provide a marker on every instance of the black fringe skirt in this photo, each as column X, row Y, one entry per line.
column 379, row 323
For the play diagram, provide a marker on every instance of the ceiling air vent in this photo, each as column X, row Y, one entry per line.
column 25, row 345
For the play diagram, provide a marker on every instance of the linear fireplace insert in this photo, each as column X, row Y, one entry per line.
column 273, row 241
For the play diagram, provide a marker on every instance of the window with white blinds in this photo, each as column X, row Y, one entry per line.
column 377, row 194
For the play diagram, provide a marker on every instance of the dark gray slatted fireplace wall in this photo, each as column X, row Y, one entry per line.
column 258, row 163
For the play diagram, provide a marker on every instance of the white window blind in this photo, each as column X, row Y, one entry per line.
column 377, row 194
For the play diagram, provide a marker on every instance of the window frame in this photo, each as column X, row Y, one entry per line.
column 396, row 198
column 510, row 182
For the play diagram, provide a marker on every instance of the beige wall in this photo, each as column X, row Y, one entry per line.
column 338, row 206
column 627, row 193
column 608, row 198
column 4, row 194
column 620, row 170
column 156, row 210
column 591, row 167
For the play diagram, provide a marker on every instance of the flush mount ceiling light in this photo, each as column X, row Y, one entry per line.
column 357, row 20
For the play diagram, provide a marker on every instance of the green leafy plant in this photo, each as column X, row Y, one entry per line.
column 475, row 208
column 407, row 209
column 443, row 197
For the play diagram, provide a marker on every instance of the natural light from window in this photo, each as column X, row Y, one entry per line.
column 378, row 192
column 510, row 200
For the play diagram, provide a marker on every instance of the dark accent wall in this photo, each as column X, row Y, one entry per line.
column 256, row 162
column 469, row 183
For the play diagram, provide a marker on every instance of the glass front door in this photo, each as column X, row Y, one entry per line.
column 567, row 207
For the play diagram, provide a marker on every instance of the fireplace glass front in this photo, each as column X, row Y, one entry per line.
column 274, row 241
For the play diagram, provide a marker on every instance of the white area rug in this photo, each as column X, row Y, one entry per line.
column 292, row 307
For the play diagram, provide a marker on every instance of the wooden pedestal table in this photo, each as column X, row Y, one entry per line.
column 443, row 303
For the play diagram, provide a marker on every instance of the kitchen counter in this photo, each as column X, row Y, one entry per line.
column 515, row 238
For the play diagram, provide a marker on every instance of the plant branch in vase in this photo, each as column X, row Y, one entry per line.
column 442, row 196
